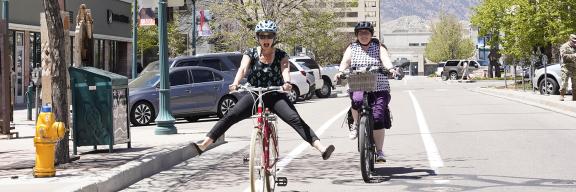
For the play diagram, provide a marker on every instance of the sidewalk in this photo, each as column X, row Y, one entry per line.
column 550, row 102
column 98, row 170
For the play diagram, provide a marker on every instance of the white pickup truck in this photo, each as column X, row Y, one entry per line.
column 328, row 72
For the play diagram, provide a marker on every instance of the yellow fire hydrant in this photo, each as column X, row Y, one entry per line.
column 48, row 132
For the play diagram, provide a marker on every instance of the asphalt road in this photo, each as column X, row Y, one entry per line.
column 444, row 138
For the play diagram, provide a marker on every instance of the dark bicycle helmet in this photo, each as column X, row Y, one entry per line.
column 364, row 25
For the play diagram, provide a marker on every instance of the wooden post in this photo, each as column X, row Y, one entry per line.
column 53, row 27
column 46, row 64
column 83, row 43
column 4, row 80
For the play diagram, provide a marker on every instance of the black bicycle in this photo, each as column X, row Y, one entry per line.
column 364, row 79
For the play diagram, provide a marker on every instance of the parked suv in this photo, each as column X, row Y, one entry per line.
column 300, row 85
column 554, row 78
column 320, row 80
column 228, row 62
column 453, row 69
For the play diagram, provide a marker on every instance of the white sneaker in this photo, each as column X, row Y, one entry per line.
column 380, row 157
column 353, row 133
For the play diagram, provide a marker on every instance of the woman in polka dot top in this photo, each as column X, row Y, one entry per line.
column 366, row 52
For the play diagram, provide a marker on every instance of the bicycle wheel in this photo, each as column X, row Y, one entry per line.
column 259, row 178
column 366, row 153
column 273, row 157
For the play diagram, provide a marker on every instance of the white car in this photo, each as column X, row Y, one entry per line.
column 322, row 82
column 310, row 79
column 440, row 69
column 553, row 86
column 330, row 71
column 300, row 86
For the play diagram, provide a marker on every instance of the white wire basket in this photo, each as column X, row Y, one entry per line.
column 362, row 82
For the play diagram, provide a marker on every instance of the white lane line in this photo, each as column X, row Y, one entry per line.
column 431, row 150
column 298, row 150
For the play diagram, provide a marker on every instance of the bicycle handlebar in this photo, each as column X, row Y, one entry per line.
column 373, row 69
column 243, row 88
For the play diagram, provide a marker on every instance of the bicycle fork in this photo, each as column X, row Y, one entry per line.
column 367, row 112
column 265, row 119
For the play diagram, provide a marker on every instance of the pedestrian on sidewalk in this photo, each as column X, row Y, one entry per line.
column 465, row 71
column 568, row 65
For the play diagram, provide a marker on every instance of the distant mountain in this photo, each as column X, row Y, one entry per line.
column 426, row 9
column 406, row 24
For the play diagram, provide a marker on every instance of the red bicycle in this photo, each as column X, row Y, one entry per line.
column 264, row 153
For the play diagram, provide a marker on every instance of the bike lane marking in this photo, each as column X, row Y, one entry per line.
column 298, row 150
column 431, row 150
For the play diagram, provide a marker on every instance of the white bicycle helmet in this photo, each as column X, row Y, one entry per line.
column 266, row 26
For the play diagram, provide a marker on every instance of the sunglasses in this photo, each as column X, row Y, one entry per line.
column 271, row 36
column 364, row 32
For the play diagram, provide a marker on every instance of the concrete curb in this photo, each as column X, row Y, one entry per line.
column 146, row 166
column 544, row 104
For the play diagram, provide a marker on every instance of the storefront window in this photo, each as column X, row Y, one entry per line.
column 35, row 50
column 19, row 67
column 98, row 54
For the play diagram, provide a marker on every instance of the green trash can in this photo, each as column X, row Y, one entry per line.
column 99, row 108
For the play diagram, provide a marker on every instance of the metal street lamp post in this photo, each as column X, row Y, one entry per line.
column 134, row 39
column 164, row 121
column 193, row 27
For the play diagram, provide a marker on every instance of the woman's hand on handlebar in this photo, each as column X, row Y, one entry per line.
column 338, row 75
column 233, row 88
column 287, row 87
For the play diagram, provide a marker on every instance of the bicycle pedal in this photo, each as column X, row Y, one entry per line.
column 281, row 181
column 245, row 160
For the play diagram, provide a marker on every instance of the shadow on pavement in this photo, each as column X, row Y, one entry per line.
column 390, row 173
column 116, row 151
column 209, row 171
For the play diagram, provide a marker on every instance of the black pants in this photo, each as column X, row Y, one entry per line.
column 277, row 103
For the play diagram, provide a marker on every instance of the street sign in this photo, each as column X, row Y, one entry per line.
column 153, row 4
column 147, row 17
column 203, row 28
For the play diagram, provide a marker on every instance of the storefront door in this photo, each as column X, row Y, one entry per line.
column 19, row 69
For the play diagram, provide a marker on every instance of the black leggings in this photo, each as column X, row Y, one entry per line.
column 278, row 103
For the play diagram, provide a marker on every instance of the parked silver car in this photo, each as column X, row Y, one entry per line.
column 453, row 69
column 195, row 92
column 553, row 86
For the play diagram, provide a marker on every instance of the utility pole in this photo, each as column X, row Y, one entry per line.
column 5, row 109
column 165, row 120
column 193, row 27
column 134, row 39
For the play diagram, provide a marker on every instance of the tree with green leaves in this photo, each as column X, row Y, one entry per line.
column 489, row 18
column 301, row 23
column 447, row 41
column 318, row 33
column 521, row 27
column 148, row 39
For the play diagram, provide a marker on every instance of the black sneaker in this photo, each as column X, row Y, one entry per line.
column 328, row 152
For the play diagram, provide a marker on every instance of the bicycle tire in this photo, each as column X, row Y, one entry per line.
column 259, row 178
column 273, row 157
column 366, row 153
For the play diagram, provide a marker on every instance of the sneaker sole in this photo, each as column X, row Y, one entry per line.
column 326, row 155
